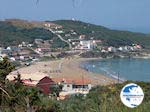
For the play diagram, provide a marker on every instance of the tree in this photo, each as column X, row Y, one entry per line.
column 56, row 89
column 5, row 68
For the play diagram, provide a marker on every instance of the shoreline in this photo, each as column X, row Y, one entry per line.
column 64, row 68
column 96, row 78
column 120, row 80
column 114, row 77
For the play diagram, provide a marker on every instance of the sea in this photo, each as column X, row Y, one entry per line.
column 120, row 68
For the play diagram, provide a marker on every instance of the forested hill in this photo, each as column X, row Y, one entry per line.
column 25, row 31
column 109, row 36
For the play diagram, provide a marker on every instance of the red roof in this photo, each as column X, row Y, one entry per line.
column 29, row 82
column 45, row 84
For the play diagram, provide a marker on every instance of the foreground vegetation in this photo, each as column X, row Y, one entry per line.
column 14, row 97
column 105, row 99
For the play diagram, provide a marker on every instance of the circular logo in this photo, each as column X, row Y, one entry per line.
column 132, row 95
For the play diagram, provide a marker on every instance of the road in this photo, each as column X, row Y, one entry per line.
column 61, row 38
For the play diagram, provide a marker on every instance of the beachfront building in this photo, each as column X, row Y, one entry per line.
column 73, row 87
column 44, row 83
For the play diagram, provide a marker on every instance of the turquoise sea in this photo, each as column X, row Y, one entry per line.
column 126, row 69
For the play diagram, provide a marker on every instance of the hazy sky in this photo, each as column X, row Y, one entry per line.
column 131, row 15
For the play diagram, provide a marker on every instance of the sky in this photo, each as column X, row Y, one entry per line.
column 132, row 15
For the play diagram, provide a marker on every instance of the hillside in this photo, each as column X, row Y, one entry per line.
column 110, row 37
column 13, row 35
column 15, row 31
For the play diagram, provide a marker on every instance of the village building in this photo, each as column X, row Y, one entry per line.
column 84, row 45
column 43, row 50
column 52, row 25
column 82, row 37
column 59, row 31
column 44, row 83
column 72, row 87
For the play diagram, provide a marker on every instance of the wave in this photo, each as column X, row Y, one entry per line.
column 105, row 70
column 128, row 69
column 112, row 74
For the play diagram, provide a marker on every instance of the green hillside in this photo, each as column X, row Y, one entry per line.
column 13, row 35
column 110, row 37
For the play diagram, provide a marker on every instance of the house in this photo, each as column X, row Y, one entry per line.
column 45, row 84
column 73, row 86
column 24, row 44
column 24, row 52
column 67, row 35
column 52, row 25
column 82, row 37
column 120, row 48
column 137, row 47
column 59, row 31
column 110, row 49
column 29, row 82
column 43, row 50
column 86, row 45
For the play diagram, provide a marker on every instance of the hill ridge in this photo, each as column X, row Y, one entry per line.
column 110, row 37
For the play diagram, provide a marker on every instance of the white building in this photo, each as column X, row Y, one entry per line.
column 59, row 31
column 71, row 87
column 87, row 44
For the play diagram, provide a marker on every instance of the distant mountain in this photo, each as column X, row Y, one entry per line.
column 14, row 31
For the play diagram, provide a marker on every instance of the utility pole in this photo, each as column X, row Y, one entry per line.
column 118, row 77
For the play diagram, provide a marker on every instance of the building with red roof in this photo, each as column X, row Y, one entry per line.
column 43, row 84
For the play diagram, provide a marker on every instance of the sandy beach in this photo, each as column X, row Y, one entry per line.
column 64, row 68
